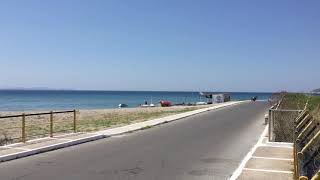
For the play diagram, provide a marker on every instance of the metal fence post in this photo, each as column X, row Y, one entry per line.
column 269, row 128
column 23, row 130
column 295, row 161
column 51, row 124
column 74, row 121
column 273, row 137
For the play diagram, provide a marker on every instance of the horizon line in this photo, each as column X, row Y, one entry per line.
column 52, row 89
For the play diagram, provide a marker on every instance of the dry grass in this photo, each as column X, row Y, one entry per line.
column 87, row 121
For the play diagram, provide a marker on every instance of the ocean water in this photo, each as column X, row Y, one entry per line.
column 21, row 100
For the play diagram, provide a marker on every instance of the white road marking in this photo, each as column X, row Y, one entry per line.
column 280, row 143
column 271, row 158
column 120, row 136
column 267, row 170
column 238, row 171
column 275, row 146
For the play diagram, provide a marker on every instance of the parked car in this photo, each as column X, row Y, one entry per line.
column 165, row 103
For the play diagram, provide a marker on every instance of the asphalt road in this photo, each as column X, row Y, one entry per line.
column 206, row 146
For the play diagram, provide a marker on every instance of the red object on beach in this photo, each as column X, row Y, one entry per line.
column 165, row 103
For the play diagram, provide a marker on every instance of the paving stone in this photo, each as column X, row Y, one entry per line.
column 74, row 136
column 274, row 152
column 32, row 142
column 270, row 164
column 259, row 175
column 3, row 148
column 7, row 151
column 43, row 144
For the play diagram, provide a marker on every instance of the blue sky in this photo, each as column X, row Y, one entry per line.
column 186, row 45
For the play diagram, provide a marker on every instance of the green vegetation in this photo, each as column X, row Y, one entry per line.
column 283, row 125
column 298, row 101
column 293, row 101
column 316, row 90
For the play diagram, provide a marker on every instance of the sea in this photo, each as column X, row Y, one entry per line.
column 23, row 100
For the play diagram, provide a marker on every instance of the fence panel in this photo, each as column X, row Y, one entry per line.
column 24, row 127
column 281, row 124
column 306, row 146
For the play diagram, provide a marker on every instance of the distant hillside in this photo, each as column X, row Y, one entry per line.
column 33, row 89
column 316, row 90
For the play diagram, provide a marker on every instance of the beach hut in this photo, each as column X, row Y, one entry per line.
column 215, row 97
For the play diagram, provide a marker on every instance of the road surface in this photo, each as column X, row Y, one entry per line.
column 206, row 146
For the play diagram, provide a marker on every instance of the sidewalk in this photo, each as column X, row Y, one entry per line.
column 36, row 146
column 269, row 160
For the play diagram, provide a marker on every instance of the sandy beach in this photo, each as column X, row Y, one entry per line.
column 87, row 120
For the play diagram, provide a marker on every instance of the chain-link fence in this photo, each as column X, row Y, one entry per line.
column 289, row 124
column 281, row 124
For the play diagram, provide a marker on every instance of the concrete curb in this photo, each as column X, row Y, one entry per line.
column 112, row 132
column 49, row 148
column 158, row 121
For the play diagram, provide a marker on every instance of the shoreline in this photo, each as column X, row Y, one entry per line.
column 106, row 109
column 17, row 101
